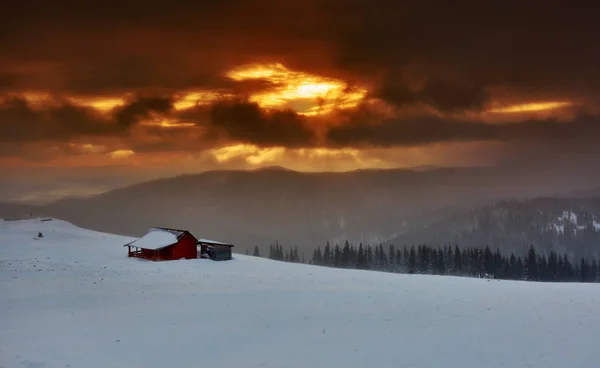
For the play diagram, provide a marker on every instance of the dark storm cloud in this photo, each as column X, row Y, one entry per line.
column 245, row 121
column 151, row 44
column 447, row 96
column 423, row 130
column 407, row 132
column 59, row 120
column 442, row 94
column 7, row 81
column 231, row 119
column 239, row 120
column 141, row 108
column 462, row 50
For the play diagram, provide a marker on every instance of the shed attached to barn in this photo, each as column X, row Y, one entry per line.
column 217, row 251
column 163, row 244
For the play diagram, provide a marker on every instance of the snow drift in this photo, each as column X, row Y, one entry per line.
column 74, row 299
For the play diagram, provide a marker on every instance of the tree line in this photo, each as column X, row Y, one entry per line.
column 448, row 260
column 570, row 225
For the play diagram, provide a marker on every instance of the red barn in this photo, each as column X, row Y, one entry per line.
column 162, row 244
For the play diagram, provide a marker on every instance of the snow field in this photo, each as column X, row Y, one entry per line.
column 73, row 299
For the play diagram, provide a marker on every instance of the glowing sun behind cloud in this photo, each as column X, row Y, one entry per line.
column 321, row 94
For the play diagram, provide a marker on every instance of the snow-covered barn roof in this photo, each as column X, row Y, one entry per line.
column 155, row 239
column 161, row 237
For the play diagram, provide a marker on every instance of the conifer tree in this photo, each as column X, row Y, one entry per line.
column 361, row 259
column 568, row 269
column 345, row 255
column 391, row 258
column 552, row 267
column 369, row 252
column 488, row 261
column 458, row 270
column 398, row 261
column 382, row 258
column 583, row 271
column 449, row 260
column 441, row 264
column 327, row 255
column 317, row 257
column 531, row 270
column 560, row 269
column 412, row 260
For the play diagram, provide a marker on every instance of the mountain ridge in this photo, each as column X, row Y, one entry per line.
column 261, row 207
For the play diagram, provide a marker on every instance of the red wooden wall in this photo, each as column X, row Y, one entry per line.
column 185, row 248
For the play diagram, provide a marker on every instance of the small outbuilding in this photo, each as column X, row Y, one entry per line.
column 217, row 251
column 163, row 244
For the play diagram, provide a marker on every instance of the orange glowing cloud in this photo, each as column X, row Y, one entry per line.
column 302, row 158
column 121, row 153
column 36, row 98
column 326, row 93
column 252, row 154
column 87, row 147
column 102, row 104
column 531, row 107
column 169, row 123
column 99, row 103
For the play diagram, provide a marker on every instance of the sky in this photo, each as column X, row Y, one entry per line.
column 98, row 96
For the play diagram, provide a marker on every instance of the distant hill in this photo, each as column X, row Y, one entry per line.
column 272, row 168
column 586, row 193
column 16, row 210
column 305, row 209
column 565, row 225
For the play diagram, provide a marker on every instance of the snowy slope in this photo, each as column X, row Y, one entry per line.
column 572, row 219
column 73, row 299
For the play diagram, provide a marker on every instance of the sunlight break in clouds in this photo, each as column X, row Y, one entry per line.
column 252, row 154
column 532, row 107
column 121, row 153
column 169, row 123
column 327, row 93
column 303, row 159
column 99, row 103
column 87, row 147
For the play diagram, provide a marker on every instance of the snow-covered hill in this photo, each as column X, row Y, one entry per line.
column 572, row 219
column 73, row 299
column 563, row 225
